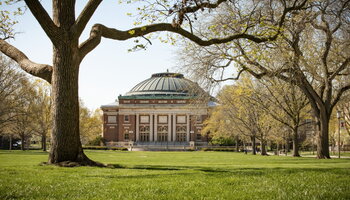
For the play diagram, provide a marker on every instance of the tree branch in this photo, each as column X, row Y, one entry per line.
column 46, row 23
column 339, row 94
column 39, row 70
column 85, row 16
column 99, row 30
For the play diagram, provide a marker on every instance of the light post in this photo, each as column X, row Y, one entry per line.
column 338, row 116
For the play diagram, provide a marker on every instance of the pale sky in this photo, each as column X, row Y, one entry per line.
column 109, row 70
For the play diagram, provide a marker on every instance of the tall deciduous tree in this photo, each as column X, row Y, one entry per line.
column 286, row 104
column 10, row 91
column 64, row 30
column 312, row 53
column 41, row 111
column 90, row 124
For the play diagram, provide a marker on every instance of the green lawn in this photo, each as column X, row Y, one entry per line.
column 174, row 175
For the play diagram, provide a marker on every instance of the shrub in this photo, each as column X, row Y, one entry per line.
column 97, row 141
column 106, row 148
column 219, row 149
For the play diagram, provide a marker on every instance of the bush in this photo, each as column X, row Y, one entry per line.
column 106, row 148
column 219, row 149
column 97, row 141
column 223, row 141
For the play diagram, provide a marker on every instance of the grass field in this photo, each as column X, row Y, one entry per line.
column 174, row 175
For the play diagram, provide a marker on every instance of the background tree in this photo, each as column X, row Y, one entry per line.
column 23, row 115
column 244, row 114
column 312, row 53
column 64, row 31
column 285, row 103
column 10, row 91
column 41, row 106
column 90, row 124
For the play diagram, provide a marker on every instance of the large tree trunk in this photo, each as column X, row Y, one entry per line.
column 237, row 143
column 253, row 145
column 65, row 141
column 295, row 142
column 22, row 141
column 322, row 140
column 43, row 142
column 10, row 147
column 263, row 148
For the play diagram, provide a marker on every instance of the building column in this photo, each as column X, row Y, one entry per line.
column 155, row 127
column 174, row 127
column 151, row 125
column 169, row 127
column 188, row 128
column 137, row 127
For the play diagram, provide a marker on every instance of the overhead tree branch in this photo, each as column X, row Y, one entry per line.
column 39, row 70
column 99, row 30
column 339, row 94
column 45, row 21
column 85, row 16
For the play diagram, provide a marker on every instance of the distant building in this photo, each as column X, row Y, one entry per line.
column 161, row 109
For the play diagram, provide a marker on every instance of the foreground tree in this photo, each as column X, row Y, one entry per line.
column 312, row 53
column 64, row 31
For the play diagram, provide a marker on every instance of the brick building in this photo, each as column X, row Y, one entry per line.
column 162, row 109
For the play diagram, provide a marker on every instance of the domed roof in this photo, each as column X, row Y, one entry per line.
column 165, row 84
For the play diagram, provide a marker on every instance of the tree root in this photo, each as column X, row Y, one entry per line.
column 81, row 160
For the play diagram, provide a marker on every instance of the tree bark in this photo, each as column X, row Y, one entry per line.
column 323, row 136
column 65, row 140
column 22, row 142
column 295, row 142
column 43, row 142
column 263, row 148
column 237, row 143
column 253, row 145
column 10, row 147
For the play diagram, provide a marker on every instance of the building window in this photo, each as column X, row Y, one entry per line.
column 199, row 119
column 144, row 119
column 112, row 119
column 198, row 136
column 181, row 119
column 162, row 133
column 162, row 119
column 126, row 135
column 126, row 118
column 181, row 133
column 144, row 133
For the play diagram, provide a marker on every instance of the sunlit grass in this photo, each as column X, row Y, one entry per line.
column 174, row 175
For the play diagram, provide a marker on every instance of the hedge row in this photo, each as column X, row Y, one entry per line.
column 106, row 148
column 218, row 149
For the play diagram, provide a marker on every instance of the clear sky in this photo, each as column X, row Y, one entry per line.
column 109, row 70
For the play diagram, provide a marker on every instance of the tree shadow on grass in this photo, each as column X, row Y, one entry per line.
column 245, row 171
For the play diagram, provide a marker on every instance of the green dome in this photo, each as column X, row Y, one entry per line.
column 165, row 84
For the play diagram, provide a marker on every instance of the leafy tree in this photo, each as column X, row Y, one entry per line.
column 41, row 106
column 64, row 30
column 90, row 124
column 242, row 114
column 10, row 91
column 285, row 103
column 23, row 115
column 312, row 53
